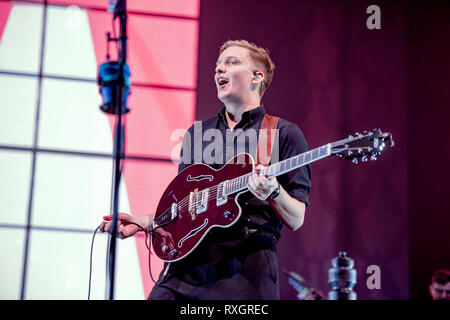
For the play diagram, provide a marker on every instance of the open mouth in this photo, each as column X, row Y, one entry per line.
column 222, row 81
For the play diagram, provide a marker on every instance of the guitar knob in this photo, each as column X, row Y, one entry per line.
column 355, row 160
column 173, row 252
column 165, row 249
column 364, row 159
column 227, row 214
column 373, row 157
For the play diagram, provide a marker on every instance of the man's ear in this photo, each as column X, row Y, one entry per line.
column 258, row 76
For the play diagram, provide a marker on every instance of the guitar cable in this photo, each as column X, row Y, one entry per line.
column 147, row 244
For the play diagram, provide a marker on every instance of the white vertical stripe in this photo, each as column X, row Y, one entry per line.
column 11, row 251
column 18, row 107
column 15, row 177
column 21, row 41
column 70, row 117
column 69, row 48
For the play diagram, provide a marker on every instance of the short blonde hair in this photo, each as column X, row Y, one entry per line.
column 260, row 58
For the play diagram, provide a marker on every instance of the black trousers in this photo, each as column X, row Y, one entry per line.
column 220, row 270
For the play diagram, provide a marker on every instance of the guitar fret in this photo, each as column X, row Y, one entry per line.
column 242, row 182
column 316, row 152
column 308, row 156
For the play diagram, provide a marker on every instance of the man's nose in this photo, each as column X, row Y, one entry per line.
column 219, row 68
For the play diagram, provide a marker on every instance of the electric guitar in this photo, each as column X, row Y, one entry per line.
column 200, row 198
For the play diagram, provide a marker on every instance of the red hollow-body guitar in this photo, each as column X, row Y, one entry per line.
column 200, row 198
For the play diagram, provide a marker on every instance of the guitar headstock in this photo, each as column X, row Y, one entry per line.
column 364, row 146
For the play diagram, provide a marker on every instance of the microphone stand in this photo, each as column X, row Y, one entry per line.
column 117, row 93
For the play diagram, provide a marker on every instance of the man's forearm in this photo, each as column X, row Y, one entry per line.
column 288, row 209
column 145, row 221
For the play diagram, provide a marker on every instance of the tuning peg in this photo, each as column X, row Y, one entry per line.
column 355, row 160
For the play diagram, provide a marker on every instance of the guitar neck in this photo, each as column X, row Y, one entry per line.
column 279, row 168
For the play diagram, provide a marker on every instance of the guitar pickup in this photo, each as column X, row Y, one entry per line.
column 202, row 200
column 221, row 195
column 173, row 211
column 192, row 208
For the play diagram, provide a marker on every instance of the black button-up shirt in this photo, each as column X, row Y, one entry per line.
column 212, row 142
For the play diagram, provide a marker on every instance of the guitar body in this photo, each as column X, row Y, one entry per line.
column 179, row 228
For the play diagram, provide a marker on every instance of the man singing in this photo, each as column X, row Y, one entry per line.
column 239, row 262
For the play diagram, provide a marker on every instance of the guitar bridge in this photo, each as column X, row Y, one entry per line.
column 221, row 195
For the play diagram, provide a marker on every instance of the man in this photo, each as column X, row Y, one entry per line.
column 238, row 262
column 440, row 285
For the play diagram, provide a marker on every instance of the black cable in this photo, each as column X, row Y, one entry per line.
column 149, row 264
column 92, row 249
column 90, row 263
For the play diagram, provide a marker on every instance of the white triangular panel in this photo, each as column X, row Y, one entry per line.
column 21, row 40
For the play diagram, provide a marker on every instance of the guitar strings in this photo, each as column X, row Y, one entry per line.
column 184, row 203
column 212, row 193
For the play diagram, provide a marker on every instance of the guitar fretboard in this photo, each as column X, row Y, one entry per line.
column 279, row 168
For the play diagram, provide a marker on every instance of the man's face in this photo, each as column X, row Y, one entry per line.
column 234, row 75
column 440, row 291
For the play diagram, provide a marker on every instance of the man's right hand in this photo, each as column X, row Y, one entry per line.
column 124, row 229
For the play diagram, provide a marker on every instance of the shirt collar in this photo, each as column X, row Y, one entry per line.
column 247, row 116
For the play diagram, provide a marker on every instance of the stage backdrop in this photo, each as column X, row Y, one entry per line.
column 56, row 144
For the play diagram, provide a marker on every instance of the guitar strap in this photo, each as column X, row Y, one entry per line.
column 266, row 139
